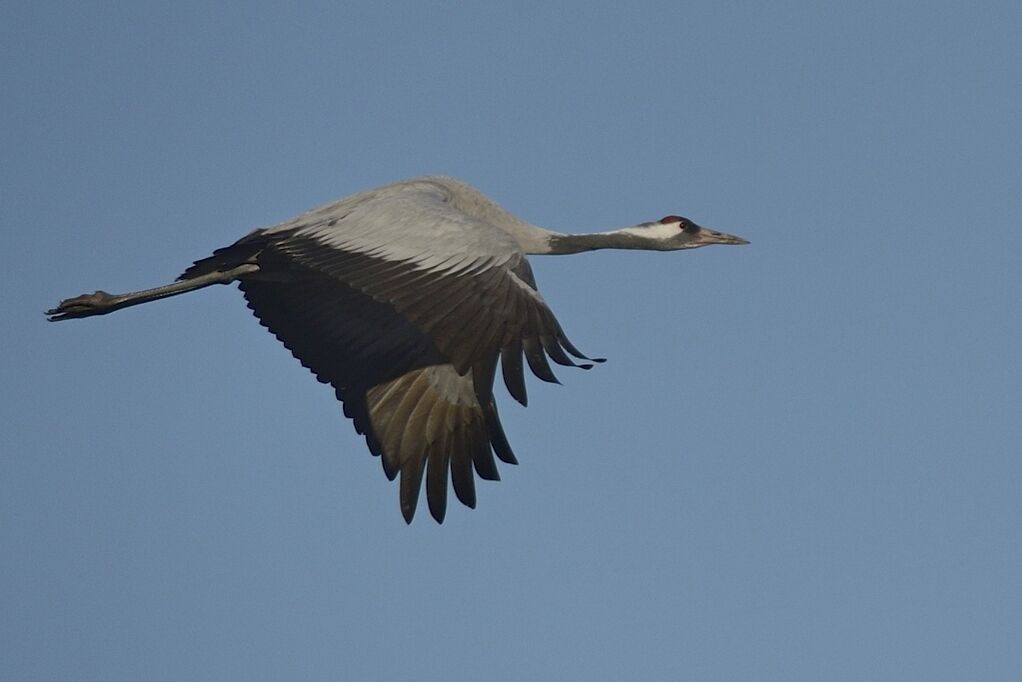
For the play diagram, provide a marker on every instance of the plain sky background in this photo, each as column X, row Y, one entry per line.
column 801, row 461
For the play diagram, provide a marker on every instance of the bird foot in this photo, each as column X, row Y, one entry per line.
column 81, row 306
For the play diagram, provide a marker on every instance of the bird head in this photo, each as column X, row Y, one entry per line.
column 676, row 232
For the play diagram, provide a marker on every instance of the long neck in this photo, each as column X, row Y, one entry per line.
column 535, row 240
column 559, row 244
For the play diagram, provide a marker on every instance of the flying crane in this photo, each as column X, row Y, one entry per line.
column 404, row 298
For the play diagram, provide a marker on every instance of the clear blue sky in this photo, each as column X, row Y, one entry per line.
column 801, row 462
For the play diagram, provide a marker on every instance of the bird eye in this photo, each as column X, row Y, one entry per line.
column 684, row 224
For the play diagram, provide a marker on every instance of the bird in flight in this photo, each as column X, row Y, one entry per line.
column 403, row 298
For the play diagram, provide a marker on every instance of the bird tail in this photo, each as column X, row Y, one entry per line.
column 242, row 251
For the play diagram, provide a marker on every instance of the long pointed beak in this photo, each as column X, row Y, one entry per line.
column 712, row 237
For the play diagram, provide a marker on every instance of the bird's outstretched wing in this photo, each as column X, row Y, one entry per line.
column 403, row 304
column 462, row 281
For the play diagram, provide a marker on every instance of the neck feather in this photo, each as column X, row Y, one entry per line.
column 628, row 238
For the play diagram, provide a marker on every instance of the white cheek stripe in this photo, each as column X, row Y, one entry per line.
column 656, row 231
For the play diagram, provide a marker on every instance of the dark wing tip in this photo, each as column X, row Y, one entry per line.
column 514, row 375
column 390, row 470
column 437, row 509
column 484, row 464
